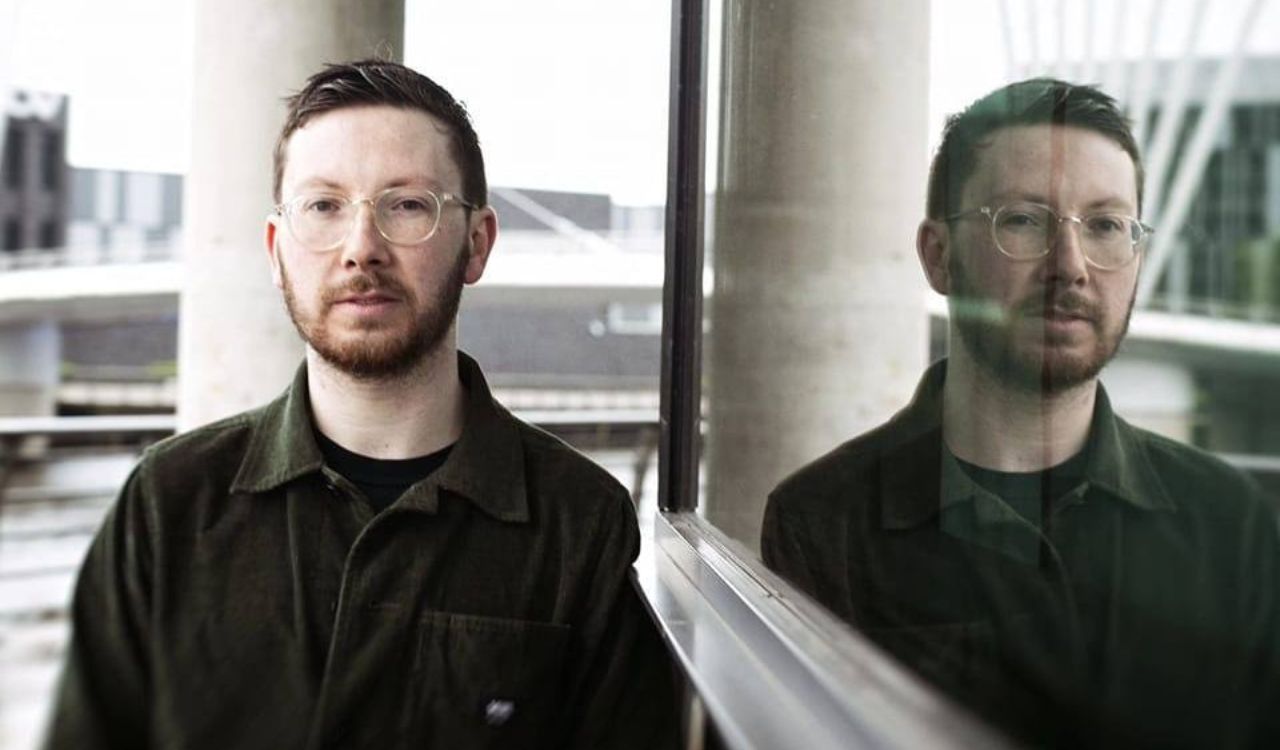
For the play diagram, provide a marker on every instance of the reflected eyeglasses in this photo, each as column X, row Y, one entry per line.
column 1026, row 231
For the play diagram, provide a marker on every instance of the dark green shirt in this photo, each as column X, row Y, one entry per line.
column 242, row 595
column 1143, row 612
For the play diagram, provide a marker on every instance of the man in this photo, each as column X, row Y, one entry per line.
column 383, row 556
column 1074, row 579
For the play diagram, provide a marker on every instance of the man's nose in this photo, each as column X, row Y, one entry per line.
column 1066, row 261
column 365, row 245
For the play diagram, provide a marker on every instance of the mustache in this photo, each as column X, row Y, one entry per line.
column 364, row 283
column 1068, row 302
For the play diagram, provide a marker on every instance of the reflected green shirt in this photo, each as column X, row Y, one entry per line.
column 1150, row 618
column 242, row 594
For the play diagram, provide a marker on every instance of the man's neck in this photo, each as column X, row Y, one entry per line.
column 992, row 424
column 419, row 412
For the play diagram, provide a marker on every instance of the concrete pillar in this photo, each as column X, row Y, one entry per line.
column 818, row 325
column 30, row 361
column 237, row 348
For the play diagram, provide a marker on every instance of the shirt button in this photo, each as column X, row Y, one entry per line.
column 498, row 712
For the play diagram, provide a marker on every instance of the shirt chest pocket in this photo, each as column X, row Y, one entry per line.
column 487, row 682
column 941, row 652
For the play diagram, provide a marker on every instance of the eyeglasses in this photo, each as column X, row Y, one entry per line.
column 1026, row 231
column 403, row 216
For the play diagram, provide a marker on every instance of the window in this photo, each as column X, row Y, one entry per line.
column 12, row 235
column 15, row 146
column 49, row 235
column 802, row 321
column 51, row 161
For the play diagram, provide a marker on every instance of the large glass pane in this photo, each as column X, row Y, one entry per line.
column 988, row 359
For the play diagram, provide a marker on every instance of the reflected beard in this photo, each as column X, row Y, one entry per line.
column 375, row 353
column 988, row 333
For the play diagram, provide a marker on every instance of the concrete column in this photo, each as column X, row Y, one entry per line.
column 237, row 348
column 818, row 326
column 30, row 360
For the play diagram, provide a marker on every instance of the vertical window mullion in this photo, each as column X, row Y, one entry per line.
column 682, row 288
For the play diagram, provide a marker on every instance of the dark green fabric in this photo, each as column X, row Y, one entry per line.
column 1146, row 614
column 240, row 595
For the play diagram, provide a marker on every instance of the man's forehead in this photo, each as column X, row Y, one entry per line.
column 375, row 112
column 1040, row 160
column 400, row 145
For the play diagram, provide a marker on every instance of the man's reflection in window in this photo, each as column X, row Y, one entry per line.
column 1074, row 579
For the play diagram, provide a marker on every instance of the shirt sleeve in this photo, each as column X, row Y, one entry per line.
column 102, row 696
column 622, row 691
column 1260, row 574
column 784, row 548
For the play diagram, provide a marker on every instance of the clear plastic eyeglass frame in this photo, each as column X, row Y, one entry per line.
column 378, row 205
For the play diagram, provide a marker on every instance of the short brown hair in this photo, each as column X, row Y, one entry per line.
column 1037, row 101
column 380, row 82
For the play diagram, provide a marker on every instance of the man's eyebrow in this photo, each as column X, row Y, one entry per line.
column 413, row 182
column 319, row 182
column 1110, row 202
column 1114, row 202
column 1018, row 196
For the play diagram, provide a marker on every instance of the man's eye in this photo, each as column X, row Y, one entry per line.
column 320, row 206
column 1106, row 225
column 1021, row 219
column 410, row 205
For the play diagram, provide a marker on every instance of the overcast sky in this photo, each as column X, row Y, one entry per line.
column 566, row 94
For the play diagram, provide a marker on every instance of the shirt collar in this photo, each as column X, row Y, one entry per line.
column 486, row 465
column 920, row 478
column 282, row 446
column 1119, row 462
column 911, row 464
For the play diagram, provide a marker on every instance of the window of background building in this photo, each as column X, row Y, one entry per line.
column 48, row 235
column 12, row 235
column 52, row 160
column 15, row 145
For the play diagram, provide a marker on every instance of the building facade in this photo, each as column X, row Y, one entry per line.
column 33, row 172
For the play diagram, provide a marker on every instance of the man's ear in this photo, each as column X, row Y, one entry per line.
column 483, row 232
column 271, row 236
column 933, row 246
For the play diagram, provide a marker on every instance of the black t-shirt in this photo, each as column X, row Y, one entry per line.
column 1030, row 493
column 381, row 480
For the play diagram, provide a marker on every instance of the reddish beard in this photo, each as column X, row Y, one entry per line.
column 998, row 347
column 377, row 350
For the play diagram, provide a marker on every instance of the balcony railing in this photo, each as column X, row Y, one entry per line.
column 59, row 257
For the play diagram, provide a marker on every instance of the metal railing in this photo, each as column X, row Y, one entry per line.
column 81, row 255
